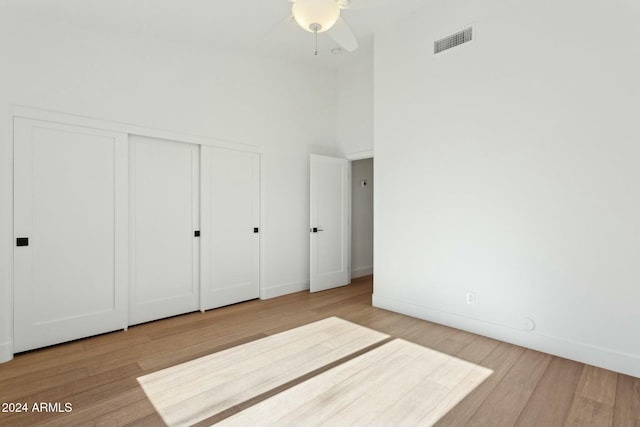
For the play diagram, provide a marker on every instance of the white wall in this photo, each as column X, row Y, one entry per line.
column 186, row 89
column 355, row 108
column 361, row 218
column 508, row 167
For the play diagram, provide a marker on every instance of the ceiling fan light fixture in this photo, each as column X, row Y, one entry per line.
column 316, row 15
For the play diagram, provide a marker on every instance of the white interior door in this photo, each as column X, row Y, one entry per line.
column 230, row 221
column 164, row 199
column 70, row 194
column 329, row 223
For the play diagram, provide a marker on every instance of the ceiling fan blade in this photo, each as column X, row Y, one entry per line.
column 342, row 34
column 281, row 29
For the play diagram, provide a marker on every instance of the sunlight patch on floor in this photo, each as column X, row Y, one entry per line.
column 398, row 383
column 196, row 390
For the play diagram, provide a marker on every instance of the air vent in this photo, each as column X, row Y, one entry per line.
column 453, row 40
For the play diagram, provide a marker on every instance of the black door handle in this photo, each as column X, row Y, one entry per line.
column 316, row 229
column 22, row 241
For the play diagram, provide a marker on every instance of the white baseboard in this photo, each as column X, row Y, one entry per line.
column 6, row 351
column 361, row 271
column 581, row 352
column 280, row 290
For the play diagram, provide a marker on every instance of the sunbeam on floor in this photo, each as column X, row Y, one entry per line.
column 395, row 383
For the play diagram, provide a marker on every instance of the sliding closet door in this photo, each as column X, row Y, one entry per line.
column 230, row 227
column 164, row 213
column 70, row 224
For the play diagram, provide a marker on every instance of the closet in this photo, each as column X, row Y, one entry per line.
column 115, row 228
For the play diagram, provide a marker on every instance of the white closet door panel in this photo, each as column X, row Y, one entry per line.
column 164, row 200
column 71, row 202
column 230, row 212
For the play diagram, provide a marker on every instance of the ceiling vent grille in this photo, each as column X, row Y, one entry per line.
column 453, row 40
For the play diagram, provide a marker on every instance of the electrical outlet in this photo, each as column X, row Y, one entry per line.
column 471, row 298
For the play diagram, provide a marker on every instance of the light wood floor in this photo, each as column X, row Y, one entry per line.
column 98, row 375
column 192, row 392
column 396, row 384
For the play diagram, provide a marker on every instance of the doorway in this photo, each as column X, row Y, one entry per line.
column 361, row 218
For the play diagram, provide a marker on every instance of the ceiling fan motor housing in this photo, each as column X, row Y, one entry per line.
column 316, row 16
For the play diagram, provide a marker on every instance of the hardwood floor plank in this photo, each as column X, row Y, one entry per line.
column 586, row 412
column 76, row 356
column 593, row 404
column 598, row 384
column 132, row 413
column 506, row 402
column 627, row 406
column 551, row 400
column 69, row 391
column 154, row 362
column 88, row 412
column 152, row 420
column 456, row 342
column 87, row 404
column 332, row 306
column 500, row 360
column 429, row 334
column 20, row 387
column 478, row 350
column 24, row 363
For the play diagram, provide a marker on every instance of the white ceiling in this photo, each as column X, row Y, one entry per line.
column 258, row 26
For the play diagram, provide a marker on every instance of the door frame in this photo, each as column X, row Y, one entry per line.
column 351, row 157
column 360, row 155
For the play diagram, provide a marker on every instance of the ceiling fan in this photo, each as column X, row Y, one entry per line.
column 319, row 16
